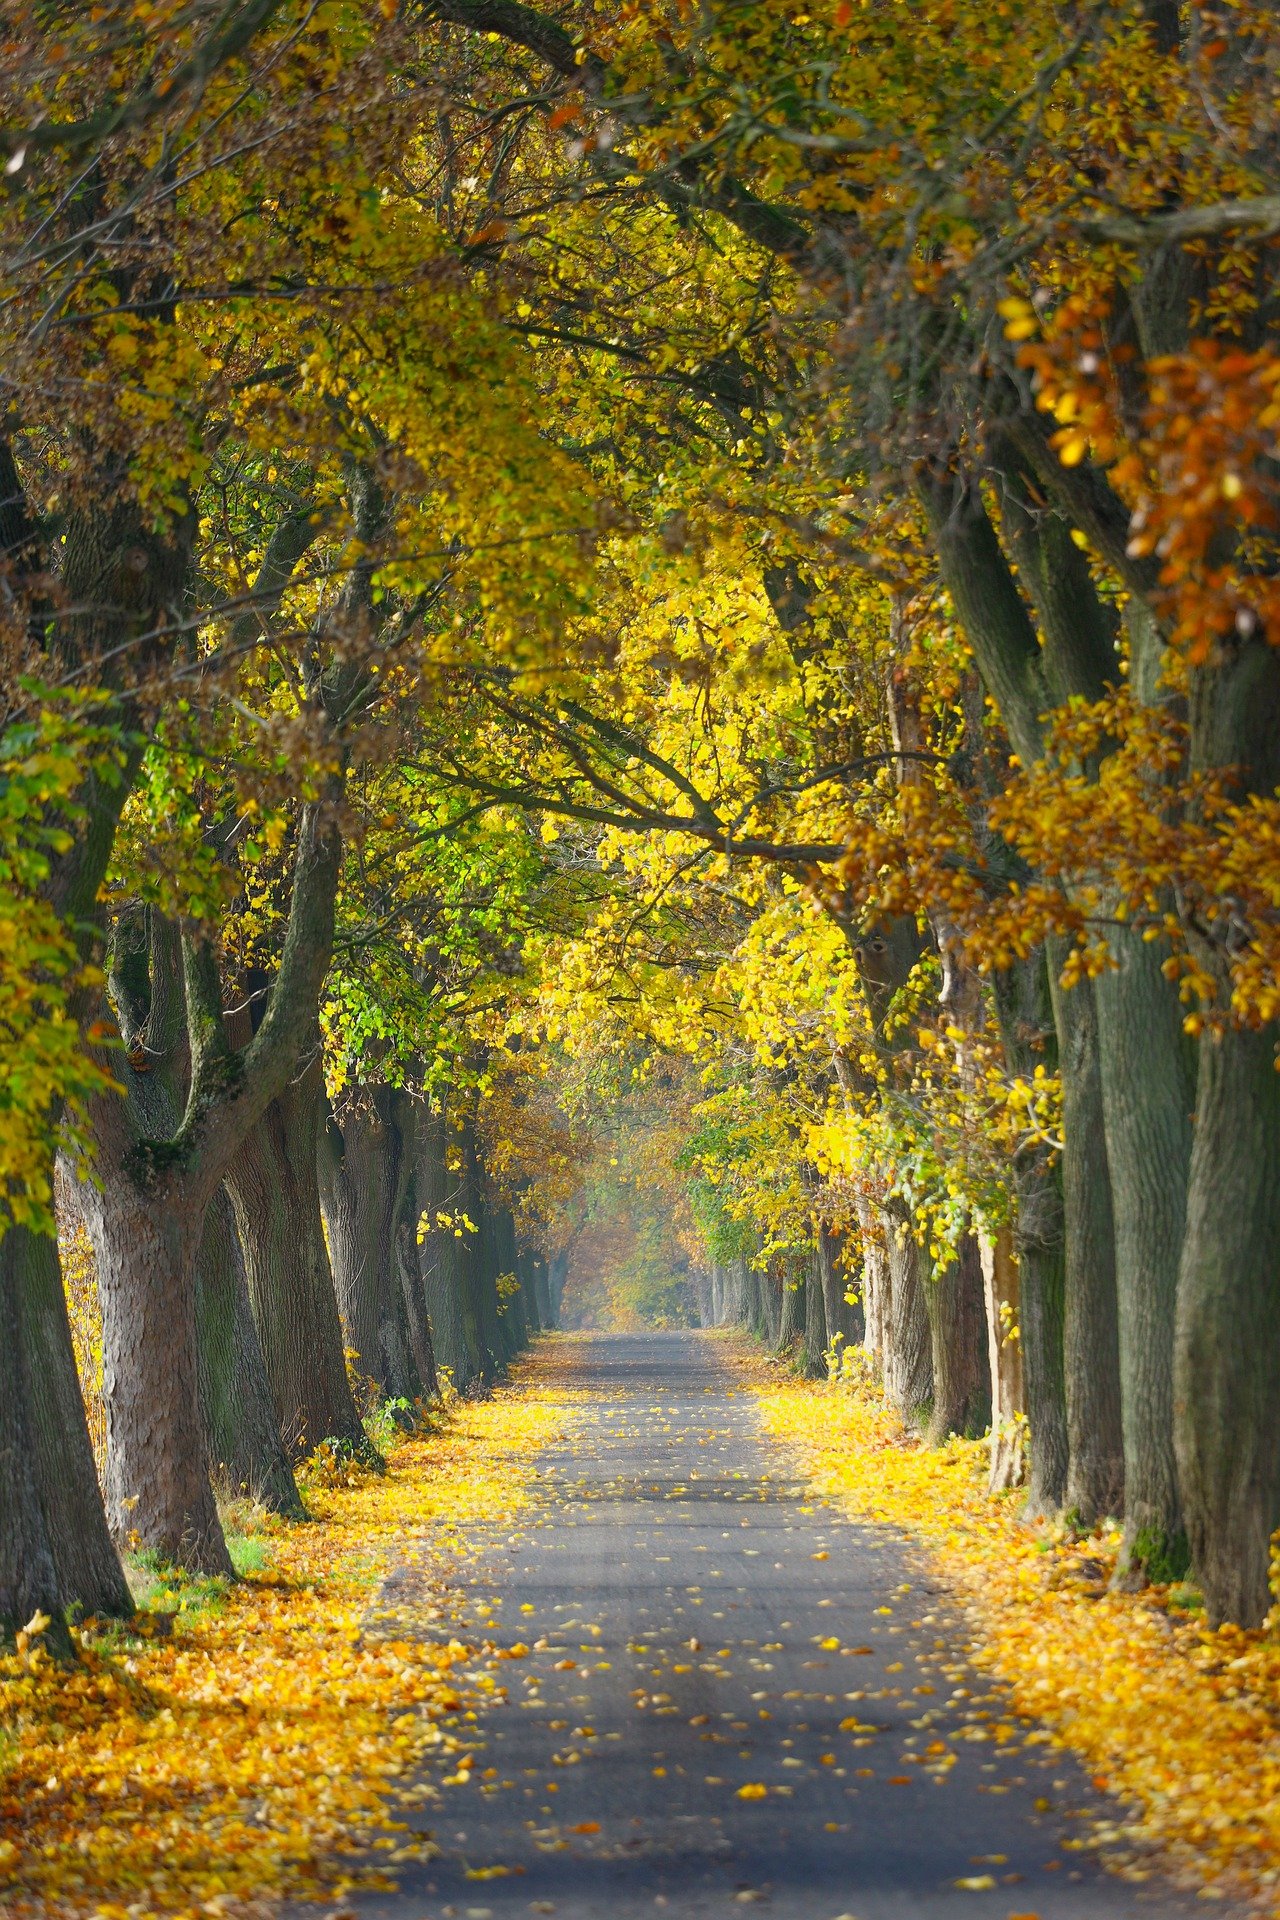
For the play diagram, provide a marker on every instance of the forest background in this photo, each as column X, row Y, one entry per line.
column 645, row 615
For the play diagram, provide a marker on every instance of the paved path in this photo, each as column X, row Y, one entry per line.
column 704, row 1624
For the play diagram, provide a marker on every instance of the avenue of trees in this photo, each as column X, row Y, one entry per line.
column 695, row 586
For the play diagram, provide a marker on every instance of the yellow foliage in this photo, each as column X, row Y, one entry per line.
column 251, row 1747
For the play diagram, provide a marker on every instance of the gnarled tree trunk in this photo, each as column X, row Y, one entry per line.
column 242, row 1434
column 274, row 1186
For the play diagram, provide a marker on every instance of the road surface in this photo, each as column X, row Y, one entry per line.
column 701, row 1624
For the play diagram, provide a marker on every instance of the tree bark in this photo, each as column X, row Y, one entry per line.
column 1147, row 1096
column 55, row 1548
column 1004, row 1347
column 274, row 1186
column 815, row 1321
column 876, row 1286
column 957, row 1328
column 842, row 1317
column 120, row 577
column 1227, row 1350
column 158, row 1493
column 1028, row 1037
column 364, row 1175
column 908, row 1351
column 1227, row 1359
column 1090, row 1334
column 242, row 1434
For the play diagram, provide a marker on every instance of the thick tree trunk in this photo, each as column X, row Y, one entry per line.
column 759, row 1322
column 1227, row 1355
column 29, row 1583
column 1040, row 1254
column 1090, row 1339
column 55, row 1549
column 158, row 1494
column 242, row 1434
column 274, row 1187
column 1227, row 1371
column 957, row 1327
column 791, row 1320
column 908, row 1340
column 1000, row 1285
column 364, row 1174
column 815, row 1322
column 1147, row 1096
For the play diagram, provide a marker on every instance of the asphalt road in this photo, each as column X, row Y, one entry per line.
column 700, row 1623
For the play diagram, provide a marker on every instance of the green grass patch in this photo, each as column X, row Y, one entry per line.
column 159, row 1587
column 250, row 1553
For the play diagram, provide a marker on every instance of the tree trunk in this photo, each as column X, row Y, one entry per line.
column 908, row 1351
column 1227, row 1373
column 55, row 1549
column 364, row 1173
column 1090, row 1335
column 957, row 1327
column 1227, row 1355
column 1147, row 1096
column 843, row 1317
column 791, row 1319
column 876, row 1286
column 158, row 1493
column 120, row 578
column 1023, row 1010
column 242, row 1434
column 815, row 1322
column 1004, row 1348
column 759, row 1322
column 274, row 1188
